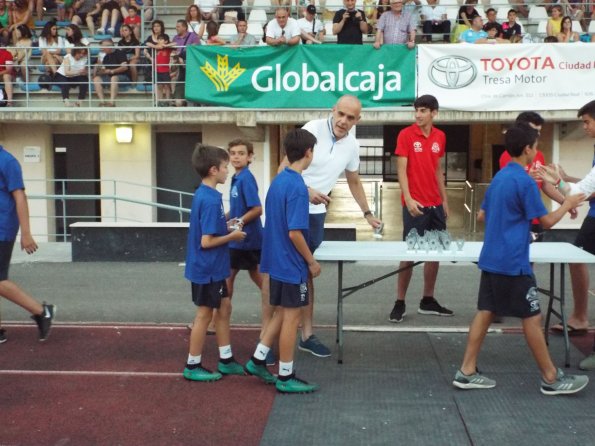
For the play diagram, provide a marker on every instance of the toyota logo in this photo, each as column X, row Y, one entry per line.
column 452, row 72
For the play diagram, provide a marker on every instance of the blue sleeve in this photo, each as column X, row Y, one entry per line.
column 531, row 199
column 298, row 209
column 250, row 192
column 14, row 176
column 210, row 213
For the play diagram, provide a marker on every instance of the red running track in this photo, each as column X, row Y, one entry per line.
column 111, row 385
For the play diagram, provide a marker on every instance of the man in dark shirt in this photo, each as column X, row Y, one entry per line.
column 511, row 28
column 349, row 24
column 112, row 70
column 491, row 16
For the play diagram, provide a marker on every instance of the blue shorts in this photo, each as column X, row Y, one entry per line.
column 316, row 231
column 209, row 294
column 508, row 295
column 288, row 295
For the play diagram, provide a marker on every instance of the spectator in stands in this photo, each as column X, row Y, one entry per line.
column 22, row 14
column 464, row 19
column 74, row 72
column 575, row 10
column 74, row 37
column 184, row 38
column 42, row 5
column 555, row 22
column 242, row 38
column 383, row 6
column 130, row 46
column 133, row 20
column 349, row 24
column 370, row 12
column 208, row 9
column 110, row 11
column 230, row 10
column 312, row 29
column 522, row 8
column 4, row 23
column 396, row 27
column 566, row 32
column 433, row 18
column 6, row 64
column 83, row 13
column 213, row 34
column 283, row 30
column 181, row 40
column 511, row 30
column 157, row 28
column 22, row 53
column 491, row 16
column 112, row 70
column 475, row 33
column 492, row 30
column 162, row 64
column 550, row 39
column 194, row 20
column 65, row 10
column 52, row 46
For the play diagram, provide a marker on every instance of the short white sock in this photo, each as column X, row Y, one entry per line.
column 225, row 352
column 261, row 351
column 285, row 368
column 194, row 359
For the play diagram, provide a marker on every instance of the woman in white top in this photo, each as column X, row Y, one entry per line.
column 194, row 20
column 566, row 32
column 74, row 72
column 51, row 46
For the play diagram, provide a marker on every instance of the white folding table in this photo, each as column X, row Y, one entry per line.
column 394, row 252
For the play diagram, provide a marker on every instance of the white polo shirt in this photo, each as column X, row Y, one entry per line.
column 331, row 158
column 307, row 26
column 291, row 29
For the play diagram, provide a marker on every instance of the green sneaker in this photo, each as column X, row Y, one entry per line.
column 261, row 372
column 586, row 364
column 295, row 385
column 475, row 381
column 232, row 368
column 564, row 384
column 201, row 374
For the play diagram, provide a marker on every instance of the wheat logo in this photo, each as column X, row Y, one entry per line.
column 222, row 77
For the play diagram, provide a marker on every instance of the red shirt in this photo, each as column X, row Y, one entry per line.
column 5, row 60
column 538, row 161
column 132, row 20
column 423, row 155
column 163, row 60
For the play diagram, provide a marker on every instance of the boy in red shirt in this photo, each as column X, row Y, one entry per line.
column 6, row 64
column 162, row 60
column 425, row 206
column 133, row 20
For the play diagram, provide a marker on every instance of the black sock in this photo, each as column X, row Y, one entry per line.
column 258, row 361
column 427, row 299
column 226, row 360
column 192, row 366
column 286, row 377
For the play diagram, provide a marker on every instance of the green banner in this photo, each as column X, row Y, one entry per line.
column 304, row 76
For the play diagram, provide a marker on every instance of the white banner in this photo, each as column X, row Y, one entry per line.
column 501, row 77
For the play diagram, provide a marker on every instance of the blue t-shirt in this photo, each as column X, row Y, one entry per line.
column 286, row 209
column 592, row 200
column 511, row 202
column 11, row 179
column 207, row 217
column 471, row 36
column 243, row 196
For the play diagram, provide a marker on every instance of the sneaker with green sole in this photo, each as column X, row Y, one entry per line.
column 201, row 374
column 261, row 372
column 564, row 384
column 232, row 368
column 475, row 381
column 295, row 385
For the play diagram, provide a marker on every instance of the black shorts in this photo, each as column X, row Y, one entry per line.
column 537, row 232
column 163, row 78
column 433, row 218
column 5, row 255
column 244, row 259
column 288, row 295
column 209, row 294
column 508, row 295
column 586, row 235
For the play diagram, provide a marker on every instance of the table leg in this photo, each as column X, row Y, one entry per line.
column 340, row 311
column 548, row 315
column 563, row 316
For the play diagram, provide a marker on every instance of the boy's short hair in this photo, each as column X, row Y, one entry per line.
column 489, row 26
column 511, row 11
column 163, row 37
column 132, row 7
column 241, row 142
column 296, row 143
column 530, row 117
column 490, row 10
column 551, row 39
column 426, row 101
column 518, row 137
column 204, row 157
column 587, row 109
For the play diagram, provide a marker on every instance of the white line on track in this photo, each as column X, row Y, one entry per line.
column 393, row 329
column 89, row 373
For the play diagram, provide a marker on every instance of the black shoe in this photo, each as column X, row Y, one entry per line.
column 398, row 312
column 434, row 308
column 3, row 337
column 44, row 320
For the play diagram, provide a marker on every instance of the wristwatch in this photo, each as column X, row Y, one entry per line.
column 368, row 213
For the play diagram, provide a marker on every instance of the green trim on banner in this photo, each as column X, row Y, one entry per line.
column 305, row 76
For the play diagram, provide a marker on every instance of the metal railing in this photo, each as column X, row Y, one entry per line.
column 474, row 193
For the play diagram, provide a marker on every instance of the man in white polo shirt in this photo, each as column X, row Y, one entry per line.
column 283, row 30
column 336, row 152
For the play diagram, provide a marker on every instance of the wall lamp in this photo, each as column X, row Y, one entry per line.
column 124, row 134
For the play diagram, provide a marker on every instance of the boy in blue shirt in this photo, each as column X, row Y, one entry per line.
column 14, row 212
column 207, row 265
column 288, row 260
column 507, row 286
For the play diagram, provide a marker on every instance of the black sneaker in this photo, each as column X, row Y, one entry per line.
column 3, row 337
column 398, row 312
column 434, row 308
column 44, row 320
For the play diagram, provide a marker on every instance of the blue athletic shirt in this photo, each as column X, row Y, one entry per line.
column 11, row 179
column 592, row 200
column 242, row 197
column 511, row 202
column 286, row 208
column 207, row 217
